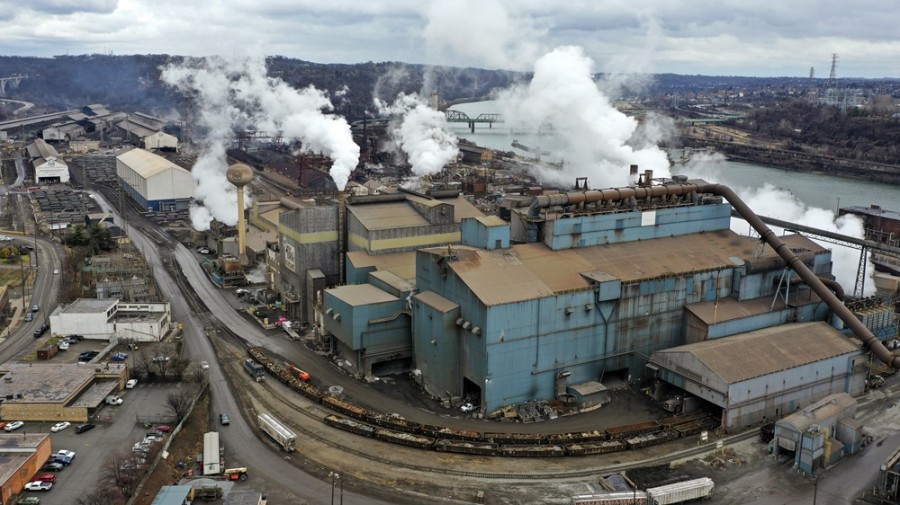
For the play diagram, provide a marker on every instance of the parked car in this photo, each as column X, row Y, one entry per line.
column 29, row 500
column 52, row 467
column 155, row 434
column 64, row 345
column 2, row 424
column 13, row 426
column 46, row 477
column 39, row 332
column 203, row 250
column 29, row 317
column 81, row 428
column 163, row 428
column 62, row 460
column 119, row 356
column 204, row 365
column 131, row 383
column 60, row 426
column 241, row 292
column 65, row 453
column 35, row 308
column 223, row 418
column 74, row 338
column 38, row 485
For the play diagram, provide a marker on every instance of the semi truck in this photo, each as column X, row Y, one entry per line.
column 278, row 431
column 255, row 370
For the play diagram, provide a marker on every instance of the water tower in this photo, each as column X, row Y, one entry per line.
column 240, row 175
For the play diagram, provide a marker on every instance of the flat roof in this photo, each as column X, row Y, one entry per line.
column 43, row 383
column 393, row 280
column 401, row 264
column 769, row 350
column 390, row 215
column 730, row 308
column 437, row 301
column 529, row 271
column 15, row 449
column 491, row 221
column 361, row 294
column 147, row 164
column 90, row 306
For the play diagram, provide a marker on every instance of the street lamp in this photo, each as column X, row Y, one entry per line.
column 336, row 477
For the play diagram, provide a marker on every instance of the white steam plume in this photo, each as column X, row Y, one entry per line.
column 421, row 134
column 591, row 137
column 237, row 94
column 778, row 203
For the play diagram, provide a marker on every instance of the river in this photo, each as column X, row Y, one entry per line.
column 813, row 190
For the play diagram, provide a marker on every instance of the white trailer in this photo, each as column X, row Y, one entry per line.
column 211, row 461
column 278, row 431
column 681, row 491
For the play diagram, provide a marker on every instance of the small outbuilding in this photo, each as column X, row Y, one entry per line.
column 820, row 434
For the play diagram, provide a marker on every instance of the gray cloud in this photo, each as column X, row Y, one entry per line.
column 703, row 36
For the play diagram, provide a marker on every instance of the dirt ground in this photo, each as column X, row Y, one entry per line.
column 187, row 445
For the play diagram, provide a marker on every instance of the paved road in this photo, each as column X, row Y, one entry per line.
column 239, row 438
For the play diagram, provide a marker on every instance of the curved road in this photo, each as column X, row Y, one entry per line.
column 240, row 437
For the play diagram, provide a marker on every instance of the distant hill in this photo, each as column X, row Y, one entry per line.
column 131, row 83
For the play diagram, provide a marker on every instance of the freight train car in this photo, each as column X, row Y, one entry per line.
column 589, row 448
column 397, row 437
column 681, row 492
column 463, row 447
column 278, row 431
column 612, row 498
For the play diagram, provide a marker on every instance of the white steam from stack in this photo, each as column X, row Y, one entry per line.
column 777, row 203
column 237, row 94
column 421, row 133
column 582, row 128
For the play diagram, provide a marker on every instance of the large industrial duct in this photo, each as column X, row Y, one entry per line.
column 831, row 300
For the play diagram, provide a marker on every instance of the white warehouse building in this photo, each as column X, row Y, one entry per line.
column 154, row 182
column 102, row 319
column 48, row 164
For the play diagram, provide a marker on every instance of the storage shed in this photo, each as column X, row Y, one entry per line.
column 154, row 182
column 767, row 373
column 820, row 434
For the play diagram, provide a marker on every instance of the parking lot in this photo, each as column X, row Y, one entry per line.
column 117, row 429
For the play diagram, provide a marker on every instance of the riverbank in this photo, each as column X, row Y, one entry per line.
column 799, row 161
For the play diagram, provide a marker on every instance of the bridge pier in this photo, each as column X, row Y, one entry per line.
column 472, row 126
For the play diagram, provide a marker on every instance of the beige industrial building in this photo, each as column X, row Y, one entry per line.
column 57, row 392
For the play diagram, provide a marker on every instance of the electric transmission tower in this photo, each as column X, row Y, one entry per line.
column 833, row 76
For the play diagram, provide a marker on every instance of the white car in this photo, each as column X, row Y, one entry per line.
column 204, row 365
column 38, row 485
column 60, row 426
column 13, row 426
column 131, row 384
column 65, row 453
column 467, row 407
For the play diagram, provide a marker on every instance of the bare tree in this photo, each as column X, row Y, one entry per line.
column 178, row 403
column 122, row 472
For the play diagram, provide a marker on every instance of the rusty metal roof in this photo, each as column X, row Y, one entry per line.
column 390, row 215
column 730, row 308
column 437, row 301
column 528, row 271
column 402, row 264
column 769, row 350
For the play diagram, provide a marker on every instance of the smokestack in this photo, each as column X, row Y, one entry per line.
column 633, row 176
column 342, row 219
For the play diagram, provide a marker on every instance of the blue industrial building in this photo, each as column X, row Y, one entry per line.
column 576, row 289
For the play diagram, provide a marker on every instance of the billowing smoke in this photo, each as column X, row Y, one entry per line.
column 781, row 204
column 590, row 136
column 230, row 95
column 421, row 133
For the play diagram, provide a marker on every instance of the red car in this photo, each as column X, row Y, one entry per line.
column 163, row 428
column 47, row 477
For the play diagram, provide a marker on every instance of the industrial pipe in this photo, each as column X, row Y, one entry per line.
column 831, row 300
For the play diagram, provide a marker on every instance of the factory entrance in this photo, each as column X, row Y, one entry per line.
column 392, row 367
column 471, row 392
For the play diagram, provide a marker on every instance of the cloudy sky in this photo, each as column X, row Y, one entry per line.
column 721, row 37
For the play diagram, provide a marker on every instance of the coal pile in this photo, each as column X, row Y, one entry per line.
column 97, row 169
